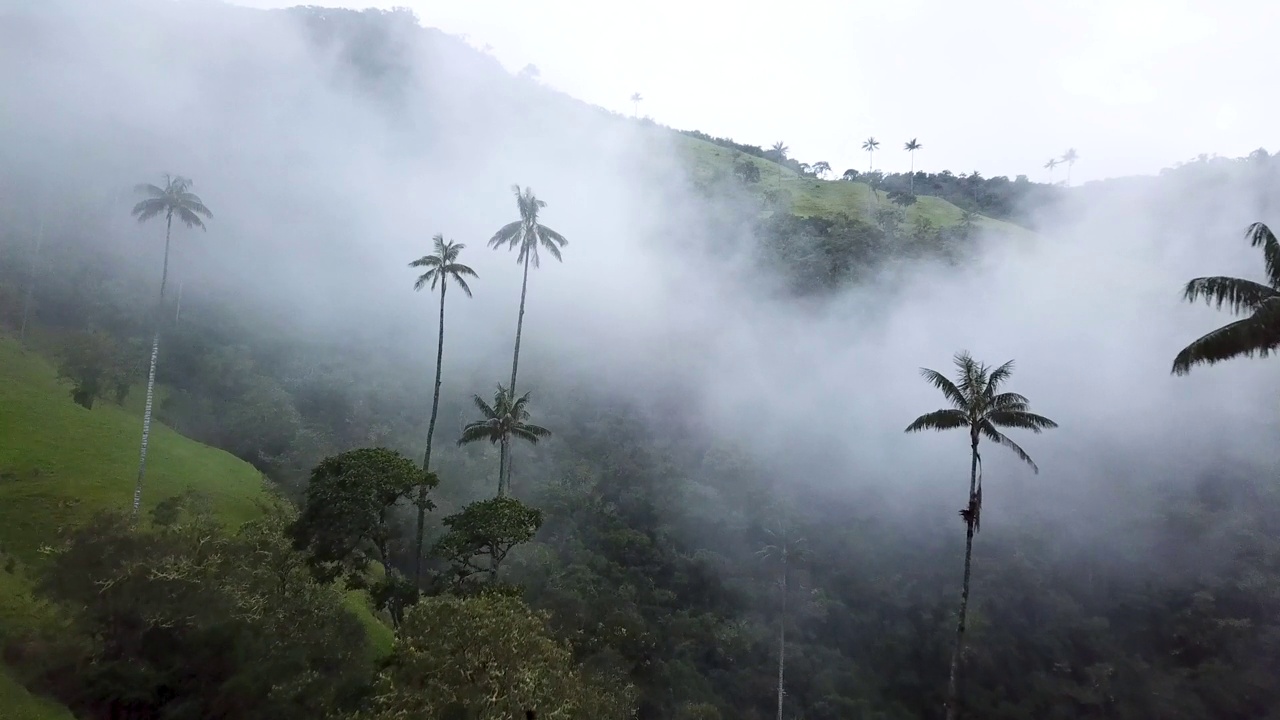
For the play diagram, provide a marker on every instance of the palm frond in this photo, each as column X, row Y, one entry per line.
column 426, row 261
column 508, row 235
column 996, row 377
column 462, row 284
column 484, row 407
column 996, row 436
column 1021, row 419
column 1261, row 236
column 1237, row 294
column 192, row 202
column 149, row 208
column 1257, row 335
column 948, row 419
column 948, row 388
column 189, row 217
column 477, row 431
column 1007, row 401
column 149, row 189
column 430, row 276
column 530, row 433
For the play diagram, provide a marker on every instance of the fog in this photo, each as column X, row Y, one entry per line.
column 324, row 186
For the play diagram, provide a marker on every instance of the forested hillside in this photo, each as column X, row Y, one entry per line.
column 648, row 403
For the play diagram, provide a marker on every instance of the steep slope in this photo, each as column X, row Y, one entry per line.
column 60, row 463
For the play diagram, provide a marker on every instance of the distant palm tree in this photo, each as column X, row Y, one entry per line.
column 528, row 235
column 441, row 267
column 636, row 98
column 780, row 149
column 174, row 199
column 1070, row 157
column 1053, row 163
column 870, row 145
column 781, row 551
column 1259, row 333
column 977, row 405
column 502, row 421
column 912, row 146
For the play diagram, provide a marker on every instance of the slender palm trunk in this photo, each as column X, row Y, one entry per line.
column 782, row 634
column 426, row 456
column 913, row 172
column 151, row 375
column 1069, row 174
column 515, row 365
column 177, row 312
column 953, row 685
column 31, row 287
column 502, row 465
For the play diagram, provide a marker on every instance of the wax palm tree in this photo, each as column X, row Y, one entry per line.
column 977, row 405
column 912, row 146
column 870, row 145
column 174, row 199
column 502, row 421
column 636, row 99
column 1259, row 333
column 1053, row 163
column 780, row 149
column 441, row 267
column 1070, row 157
column 528, row 235
column 781, row 550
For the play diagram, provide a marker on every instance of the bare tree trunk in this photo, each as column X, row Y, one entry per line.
column 426, row 456
column 953, row 685
column 31, row 287
column 515, row 364
column 502, row 466
column 151, row 375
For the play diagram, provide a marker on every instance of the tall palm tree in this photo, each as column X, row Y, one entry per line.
column 528, row 235
column 441, row 267
column 636, row 98
column 780, row 149
column 1070, row 157
column 174, row 199
column 870, row 145
column 912, row 146
column 977, row 405
column 502, row 421
column 1053, row 163
column 1259, row 333
column 781, row 551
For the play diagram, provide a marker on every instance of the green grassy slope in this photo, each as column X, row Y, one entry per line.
column 60, row 463
column 811, row 197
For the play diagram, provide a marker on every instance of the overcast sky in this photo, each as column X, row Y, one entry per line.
column 998, row 86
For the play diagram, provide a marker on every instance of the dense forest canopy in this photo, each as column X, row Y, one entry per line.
column 713, row 369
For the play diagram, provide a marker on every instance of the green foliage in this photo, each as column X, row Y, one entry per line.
column 345, row 522
column 502, row 421
column 96, row 366
column 184, row 620
column 488, row 657
column 486, row 529
column 1256, row 334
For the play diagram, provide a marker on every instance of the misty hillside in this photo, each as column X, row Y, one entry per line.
column 721, row 346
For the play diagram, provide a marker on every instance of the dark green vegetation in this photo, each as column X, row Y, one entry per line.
column 624, row 571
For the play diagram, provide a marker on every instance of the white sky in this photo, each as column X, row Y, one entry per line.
column 998, row 86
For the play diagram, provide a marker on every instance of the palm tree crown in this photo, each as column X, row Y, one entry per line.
column 1053, row 163
column 501, row 421
column 978, row 405
column 442, row 266
column 1259, row 333
column 175, row 199
column 502, row 418
column 912, row 145
column 527, row 233
column 870, row 144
